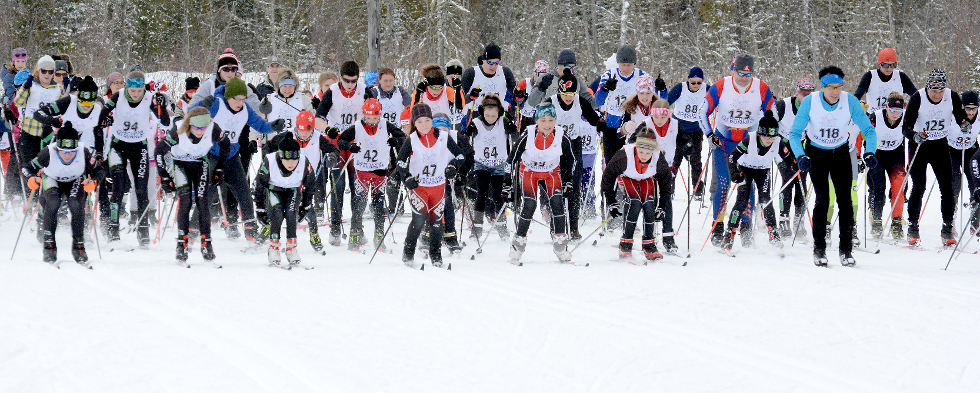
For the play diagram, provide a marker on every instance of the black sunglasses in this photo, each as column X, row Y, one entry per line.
column 48, row 72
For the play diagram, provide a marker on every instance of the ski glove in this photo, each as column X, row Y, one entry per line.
column 278, row 125
column 455, row 82
column 919, row 137
column 507, row 192
column 354, row 148
column 615, row 211
column 30, row 82
column 451, row 171
column 610, row 84
column 660, row 84
column 412, row 183
column 420, row 87
column 167, row 184
column 262, row 216
column 659, row 214
column 475, row 94
column 804, row 164
column 520, row 95
column 218, row 176
column 545, row 82
column 9, row 114
column 567, row 188
column 161, row 100
column 265, row 107
column 333, row 133
column 737, row 175
column 393, row 142
column 715, row 140
column 870, row 160
column 207, row 102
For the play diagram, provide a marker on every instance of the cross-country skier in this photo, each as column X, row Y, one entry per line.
column 634, row 168
column 82, row 112
column 286, row 102
column 488, row 78
column 185, row 167
column 488, row 133
column 793, row 196
column 543, row 155
column 687, row 98
column 878, row 84
column 890, row 170
column 825, row 118
column 66, row 171
column 39, row 89
column 284, row 186
column 394, row 99
column 963, row 145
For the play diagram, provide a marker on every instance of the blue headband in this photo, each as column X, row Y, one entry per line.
column 544, row 110
column 441, row 122
column 830, row 79
column 135, row 82
column 287, row 81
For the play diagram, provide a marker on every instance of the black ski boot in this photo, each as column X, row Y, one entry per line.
column 784, row 228
column 625, row 249
column 876, row 229
column 452, row 242
column 334, row 238
column 206, row 250
column 355, row 240
column 78, row 252
column 436, row 258
column 855, row 238
column 408, row 255
column 846, row 259
column 143, row 234
column 669, row 246
column 182, row 248
column 949, row 235
column 575, row 237
column 913, row 235
column 746, row 233
column 650, row 251
column 774, row 238
column 231, row 231
column 113, row 231
column 315, row 241
column 820, row 257
column 50, row 250
column 729, row 240
column 718, row 234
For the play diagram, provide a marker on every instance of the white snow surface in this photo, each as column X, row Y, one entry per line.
column 139, row 323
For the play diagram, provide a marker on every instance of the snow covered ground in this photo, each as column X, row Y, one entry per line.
column 138, row 323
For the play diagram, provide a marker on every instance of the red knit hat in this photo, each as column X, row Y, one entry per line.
column 227, row 57
column 887, row 55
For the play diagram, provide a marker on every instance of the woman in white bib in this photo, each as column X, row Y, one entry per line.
column 488, row 133
column 634, row 169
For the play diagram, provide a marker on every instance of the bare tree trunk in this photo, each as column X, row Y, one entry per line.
column 622, row 23
column 374, row 33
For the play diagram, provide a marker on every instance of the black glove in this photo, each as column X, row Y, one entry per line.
column 354, row 148
column 167, row 184
column 392, row 142
column 302, row 212
column 659, row 84
column 278, row 125
column 333, row 133
column 507, row 192
column 545, row 82
column 919, row 137
column 420, row 87
column 870, row 160
column 659, row 214
column 475, row 94
column 57, row 122
column 109, row 120
column 262, row 216
column 715, row 140
column 218, row 176
column 610, row 84
column 30, row 82
column 412, row 183
column 520, row 95
column 9, row 114
column 265, row 107
column 804, row 164
column 451, row 171
column 567, row 188
column 615, row 210
column 161, row 100
column 207, row 102
column 737, row 175
column 26, row 172
column 455, row 83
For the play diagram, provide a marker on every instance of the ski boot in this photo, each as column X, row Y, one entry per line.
column 846, row 259
column 669, row 246
column 334, row 238
column 913, row 235
column 113, row 231
column 151, row 217
column 452, row 243
column 424, row 244
column 575, row 237
column 143, row 234
column 650, row 251
column 476, row 232
column 133, row 216
column 799, row 226
column 231, row 231
column 561, row 248
column 292, row 255
column 182, row 248
column 502, row 230
column 517, row 248
column 435, row 255
column 50, row 250
column 948, row 234
column 745, row 232
column 379, row 241
column 829, row 236
column 774, row 239
column 897, row 233
column 820, row 257
column 718, row 234
column 784, row 229
column 876, row 229
column 274, row 256
column 625, row 249
column 78, row 252
column 207, row 251
column 354, row 240
column 728, row 240
column 252, row 232
column 315, row 241
column 408, row 256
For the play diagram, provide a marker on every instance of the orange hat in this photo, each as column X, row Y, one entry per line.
column 304, row 121
column 406, row 117
column 887, row 55
column 371, row 107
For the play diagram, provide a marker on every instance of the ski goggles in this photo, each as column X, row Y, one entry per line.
column 743, row 74
column 86, row 103
column 770, row 132
column 289, row 154
column 88, row 96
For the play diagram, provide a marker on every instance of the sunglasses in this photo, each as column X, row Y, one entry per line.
column 48, row 72
column 61, row 74
column 888, row 65
column 493, row 62
column 436, row 87
column 229, row 69
column 696, row 83
column 744, row 75
column 86, row 103
column 196, row 128
column 67, row 151
column 568, row 94
column 895, row 110
column 971, row 108
column 349, row 80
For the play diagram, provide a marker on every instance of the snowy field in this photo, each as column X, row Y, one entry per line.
column 138, row 323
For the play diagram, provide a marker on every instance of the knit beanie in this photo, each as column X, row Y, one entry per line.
column 113, row 77
column 45, row 62
column 567, row 84
column 289, row 149
column 491, row 51
column 887, row 55
column 566, row 57
column 970, row 97
column 937, row 80
column 227, row 58
column 419, row 111
column 744, row 63
column 235, row 87
column 695, row 73
column 768, row 126
column 192, row 83
column 626, row 54
column 88, row 90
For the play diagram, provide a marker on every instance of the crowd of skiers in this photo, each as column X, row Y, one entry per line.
column 469, row 144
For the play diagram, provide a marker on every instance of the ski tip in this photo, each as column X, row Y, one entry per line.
column 685, row 263
column 473, row 257
column 595, row 242
column 449, row 267
column 423, row 267
column 586, row 265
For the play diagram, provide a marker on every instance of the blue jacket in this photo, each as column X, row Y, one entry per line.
column 255, row 121
column 857, row 116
